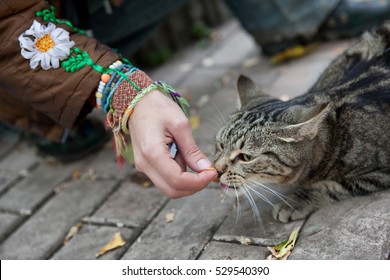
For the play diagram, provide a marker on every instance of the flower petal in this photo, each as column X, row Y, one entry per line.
column 60, row 34
column 35, row 29
column 45, row 62
column 27, row 54
column 34, row 61
column 55, row 62
column 64, row 48
column 26, row 43
column 50, row 28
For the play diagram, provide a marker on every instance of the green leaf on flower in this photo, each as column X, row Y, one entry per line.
column 74, row 63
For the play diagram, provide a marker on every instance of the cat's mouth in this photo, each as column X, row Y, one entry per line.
column 224, row 186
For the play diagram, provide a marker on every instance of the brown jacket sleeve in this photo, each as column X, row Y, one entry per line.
column 55, row 92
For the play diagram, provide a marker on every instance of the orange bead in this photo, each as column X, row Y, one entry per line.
column 105, row 78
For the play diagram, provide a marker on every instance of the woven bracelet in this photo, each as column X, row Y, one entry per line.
column 117, row 118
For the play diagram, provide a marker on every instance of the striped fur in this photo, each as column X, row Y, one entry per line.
column 326, row 145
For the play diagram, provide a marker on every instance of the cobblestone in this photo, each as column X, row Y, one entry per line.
column 194, row 220
column 90, row 239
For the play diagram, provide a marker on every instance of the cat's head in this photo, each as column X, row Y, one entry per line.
column 267, row 141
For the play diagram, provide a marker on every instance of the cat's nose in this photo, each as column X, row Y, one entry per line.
column 220, row 167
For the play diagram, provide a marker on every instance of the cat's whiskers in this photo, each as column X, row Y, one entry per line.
column 269, row 190
column 245, row 190
column 220, row 113
column 260, row 195
column 212, row 127
column 238, row 203
column 217, row 121
column 225, row 194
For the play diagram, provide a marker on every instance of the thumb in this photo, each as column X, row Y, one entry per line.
column 193, row 157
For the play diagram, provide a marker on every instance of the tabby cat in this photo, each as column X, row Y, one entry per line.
column 326, row 145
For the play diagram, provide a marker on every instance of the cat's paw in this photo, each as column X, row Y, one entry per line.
column 286, row 213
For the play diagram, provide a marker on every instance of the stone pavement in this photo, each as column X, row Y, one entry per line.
column 54, row 211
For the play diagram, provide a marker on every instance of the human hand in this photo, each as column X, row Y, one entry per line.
column 156, row 122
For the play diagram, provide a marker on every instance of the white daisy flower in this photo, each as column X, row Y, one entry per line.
column 47, row 45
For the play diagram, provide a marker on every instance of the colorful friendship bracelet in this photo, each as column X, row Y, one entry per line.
column 111, row 89
column 104, row 79
column 108, row 80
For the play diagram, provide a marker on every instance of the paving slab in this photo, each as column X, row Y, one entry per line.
column 86, row 244
column 231, row 251
column 16, row 165
column 36, row 187
column 235, row 50
column 191, row 223
column 248, row 230
column 9, row 139
column 42, row 233
column 181, row 65
column 357, row 228
column 212, row 117
column 297, row 76
column 203, row 80
column 104, row 166
column 260, row 70
column 132, row 205
column 8, row 222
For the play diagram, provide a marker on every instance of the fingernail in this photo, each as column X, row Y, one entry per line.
column 204, row 163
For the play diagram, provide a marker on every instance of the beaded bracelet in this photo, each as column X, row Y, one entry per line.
column 105, row 88
column 112, row 87
column 104, row 79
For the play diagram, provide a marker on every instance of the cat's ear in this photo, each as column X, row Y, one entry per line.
column 248, row 90
column 306, row 130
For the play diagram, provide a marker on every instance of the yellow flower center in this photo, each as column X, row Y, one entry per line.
column 44, row 43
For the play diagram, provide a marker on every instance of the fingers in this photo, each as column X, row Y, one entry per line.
column 156, row 122
column 182, row 133
column 169, row 177
column 181, row 161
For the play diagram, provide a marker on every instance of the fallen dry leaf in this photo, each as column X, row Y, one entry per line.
column 146, row 184
column 76, row 174
column 116, row 242
column 245, row 240
column 282, row 250
column 203, row 100
column 72, row 232
column 294, row 52
column 170, row 217
column 61, row 187
column 195, row 122
column 253, row 61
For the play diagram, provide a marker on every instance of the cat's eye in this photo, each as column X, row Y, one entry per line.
column 246, row 157
column 243, row 157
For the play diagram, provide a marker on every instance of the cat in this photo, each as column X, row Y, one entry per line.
column 327, row 145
